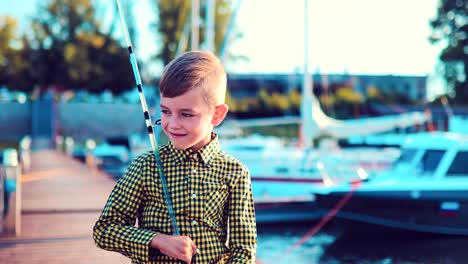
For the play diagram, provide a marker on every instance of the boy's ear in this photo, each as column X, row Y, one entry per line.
column 219, row 114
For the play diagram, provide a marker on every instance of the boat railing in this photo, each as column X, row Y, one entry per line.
column 337, row 171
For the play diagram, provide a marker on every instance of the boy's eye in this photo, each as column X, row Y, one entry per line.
column 165, row 111
column 187, row 115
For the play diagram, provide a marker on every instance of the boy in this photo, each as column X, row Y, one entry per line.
column 210, row 190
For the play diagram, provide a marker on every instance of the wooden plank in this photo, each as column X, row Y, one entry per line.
column 61, row 200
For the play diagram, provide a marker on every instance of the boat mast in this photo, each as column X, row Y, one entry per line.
column 306, row 104
column 195, row 25
column 229, row 31
column 210, row 30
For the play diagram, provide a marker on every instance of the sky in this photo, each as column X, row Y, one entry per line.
column 359, row 36
column 353, row 36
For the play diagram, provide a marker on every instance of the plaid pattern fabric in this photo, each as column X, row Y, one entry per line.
column 211, row 196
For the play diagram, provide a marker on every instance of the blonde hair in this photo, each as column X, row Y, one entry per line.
column 195, row 69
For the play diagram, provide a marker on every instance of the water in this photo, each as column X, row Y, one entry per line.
column 346, row 242
column 276, row 244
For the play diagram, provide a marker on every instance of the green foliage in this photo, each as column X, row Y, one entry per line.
column 266, row 104
column 7, row 36
column 284, row 131
column 327, row 100
column 271, row 105
column 247, row 105
column 280, row 102
column 395, row 98
column 345, row 103
column 295, row 100
column 172, row 17
column 231, row 102
column 174, row 14
column 84, row 57
column 263, row 99
column 451, row 27
column 373, row 93
column 12, row 60
column 348, row 95
column 67, row 50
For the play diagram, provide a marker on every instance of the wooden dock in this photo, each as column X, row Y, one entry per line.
column 61, row 200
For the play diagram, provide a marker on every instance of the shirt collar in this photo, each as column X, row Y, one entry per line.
column 205, row 154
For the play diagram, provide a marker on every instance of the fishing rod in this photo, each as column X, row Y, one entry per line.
column 149, row 126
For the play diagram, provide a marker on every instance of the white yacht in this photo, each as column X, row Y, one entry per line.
column 284, row 176
column 426, row 189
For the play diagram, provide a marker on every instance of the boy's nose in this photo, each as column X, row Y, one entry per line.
column 174, row 122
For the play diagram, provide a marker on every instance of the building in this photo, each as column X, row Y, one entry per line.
column 248, row 85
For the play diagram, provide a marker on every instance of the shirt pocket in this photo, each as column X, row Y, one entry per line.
column 155, row 193
column 215, row 198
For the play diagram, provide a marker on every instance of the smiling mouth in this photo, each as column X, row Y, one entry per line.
column 177, row 134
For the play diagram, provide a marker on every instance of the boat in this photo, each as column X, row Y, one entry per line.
column 284, row 176
column 272, row 160
column 284, row 209
column 425, row 190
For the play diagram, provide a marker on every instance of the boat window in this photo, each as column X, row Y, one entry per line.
column 406, row 156
column 431, row 160
column 247, row 148
column 458, row 166
column 282, row 170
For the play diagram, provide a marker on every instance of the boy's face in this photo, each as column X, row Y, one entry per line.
column 188, row 120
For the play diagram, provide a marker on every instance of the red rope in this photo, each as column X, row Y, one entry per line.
column 355, row 185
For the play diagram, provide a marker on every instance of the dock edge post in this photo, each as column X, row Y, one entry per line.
column 12, row 187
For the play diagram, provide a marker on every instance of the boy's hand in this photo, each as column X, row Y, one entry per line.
column 179, row 247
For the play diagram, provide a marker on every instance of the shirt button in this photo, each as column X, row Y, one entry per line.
column 194, row 222
column 194, row 195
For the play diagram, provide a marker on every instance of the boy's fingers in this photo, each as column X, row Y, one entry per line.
column 186, row 259
column 194, row 248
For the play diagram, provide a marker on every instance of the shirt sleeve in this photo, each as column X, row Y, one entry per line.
column 242, row 227
column 115, row 229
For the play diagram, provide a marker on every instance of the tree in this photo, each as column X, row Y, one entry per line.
column 450, row 26
column 373, row 93
column 69, row 50
column 12, row 61
column 295, row 100
column 231, row 102
column 7, row 34
column 174, row 14
column 349, row 101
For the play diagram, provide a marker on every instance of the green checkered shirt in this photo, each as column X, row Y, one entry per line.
column 212, row 200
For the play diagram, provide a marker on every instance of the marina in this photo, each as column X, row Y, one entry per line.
column 353, row 126
column 62, row 198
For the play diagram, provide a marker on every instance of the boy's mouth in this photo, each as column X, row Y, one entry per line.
column 176, row 134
